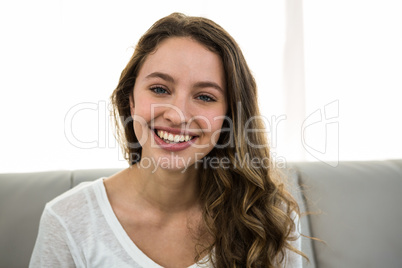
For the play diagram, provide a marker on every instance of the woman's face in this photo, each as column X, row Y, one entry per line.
column 179, row 103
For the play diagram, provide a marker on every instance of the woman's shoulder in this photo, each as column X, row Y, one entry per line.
column 74, row 201
column 75, row 192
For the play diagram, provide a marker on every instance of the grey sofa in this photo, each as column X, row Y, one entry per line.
column 357, row 211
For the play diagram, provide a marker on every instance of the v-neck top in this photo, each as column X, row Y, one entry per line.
column 80, row 229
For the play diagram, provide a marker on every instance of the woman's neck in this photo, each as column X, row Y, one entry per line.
column 166, row 190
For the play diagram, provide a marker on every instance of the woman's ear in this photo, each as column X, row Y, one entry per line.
column 131, row 104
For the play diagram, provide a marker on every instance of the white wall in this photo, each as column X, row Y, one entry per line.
column 353, row 52
column 58, row 56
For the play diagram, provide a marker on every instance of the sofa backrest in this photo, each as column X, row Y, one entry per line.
column 360, row 216
column 22, row 199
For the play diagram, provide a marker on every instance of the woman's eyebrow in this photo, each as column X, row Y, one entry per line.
column 201, row 84
column 204, row 84
column 164, row 76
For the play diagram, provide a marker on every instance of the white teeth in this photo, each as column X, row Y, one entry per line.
column 169, row 137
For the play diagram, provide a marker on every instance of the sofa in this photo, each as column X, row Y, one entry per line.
column 353, row 208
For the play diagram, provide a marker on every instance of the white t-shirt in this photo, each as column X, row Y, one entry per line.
column 80, row 229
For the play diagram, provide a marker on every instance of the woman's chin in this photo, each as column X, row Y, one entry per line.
column 175, row 168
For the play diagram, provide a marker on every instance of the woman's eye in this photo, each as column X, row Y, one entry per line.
column 159, row 90
column 205, row 98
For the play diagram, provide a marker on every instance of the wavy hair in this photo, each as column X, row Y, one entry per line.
column 247, row 210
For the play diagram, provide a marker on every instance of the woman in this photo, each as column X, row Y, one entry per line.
column 187, row 117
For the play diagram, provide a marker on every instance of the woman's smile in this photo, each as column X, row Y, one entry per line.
column 172, row 138
column 172, row 142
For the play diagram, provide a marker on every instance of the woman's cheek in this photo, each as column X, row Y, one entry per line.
column 216, row 126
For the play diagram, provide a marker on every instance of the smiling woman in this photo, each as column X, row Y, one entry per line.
column 184, row 201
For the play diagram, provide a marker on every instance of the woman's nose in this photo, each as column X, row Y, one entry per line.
column 178, row 111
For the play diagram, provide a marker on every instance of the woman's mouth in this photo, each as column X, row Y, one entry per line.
column 173, row 138
column 173, row 142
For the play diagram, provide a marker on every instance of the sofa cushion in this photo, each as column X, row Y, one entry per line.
column 22, row 199
column 360, row 219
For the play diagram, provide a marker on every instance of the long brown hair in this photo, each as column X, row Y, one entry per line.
column 247, row 210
